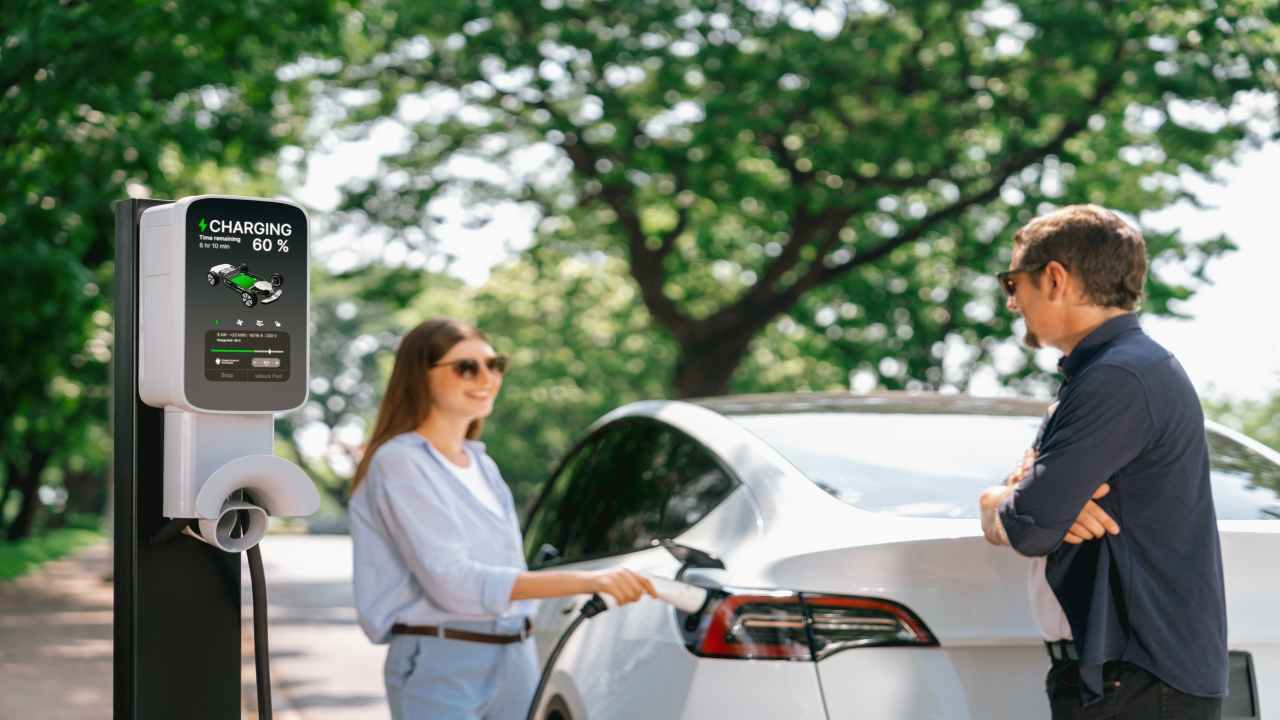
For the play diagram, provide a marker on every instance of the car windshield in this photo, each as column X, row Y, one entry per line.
column 934, row 465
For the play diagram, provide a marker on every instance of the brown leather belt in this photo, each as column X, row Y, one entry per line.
column 467, row 635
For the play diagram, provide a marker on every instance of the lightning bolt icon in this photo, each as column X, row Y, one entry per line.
column 202, row 224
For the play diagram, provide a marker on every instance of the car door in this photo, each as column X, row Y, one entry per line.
column 634, row 481
column 546, row 537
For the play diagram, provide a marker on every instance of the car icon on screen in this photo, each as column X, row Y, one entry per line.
column 251, row 288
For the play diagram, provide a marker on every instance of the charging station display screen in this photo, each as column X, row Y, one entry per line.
column 246, row 305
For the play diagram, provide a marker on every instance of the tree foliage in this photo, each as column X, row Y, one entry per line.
column 99, row 101
column 580, row 344
column 357, row 321
column 855, row 167
column 732, row 196
column 1257, row 418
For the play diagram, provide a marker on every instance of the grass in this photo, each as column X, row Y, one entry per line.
column 23, row 556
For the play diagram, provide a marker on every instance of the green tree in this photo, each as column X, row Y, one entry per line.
column 99, row 101
column 1259, row 419
column 358, row 320
column 580, row 345
column 856, row 168
column 54, row 385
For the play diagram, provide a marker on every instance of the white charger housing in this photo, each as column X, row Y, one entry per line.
column 223, row 345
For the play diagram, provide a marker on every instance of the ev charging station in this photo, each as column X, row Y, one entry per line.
column 212, row 338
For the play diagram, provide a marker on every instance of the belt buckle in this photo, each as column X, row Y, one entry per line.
column 440, row 631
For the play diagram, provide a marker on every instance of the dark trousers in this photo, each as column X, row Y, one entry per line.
column 1129, row 693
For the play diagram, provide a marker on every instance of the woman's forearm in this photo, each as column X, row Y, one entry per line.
column 551, row 583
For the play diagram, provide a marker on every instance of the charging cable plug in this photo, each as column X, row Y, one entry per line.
column 595, row 605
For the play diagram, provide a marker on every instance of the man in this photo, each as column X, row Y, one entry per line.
column 1115, row 494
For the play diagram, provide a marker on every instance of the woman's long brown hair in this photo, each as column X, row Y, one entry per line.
column 408, row 398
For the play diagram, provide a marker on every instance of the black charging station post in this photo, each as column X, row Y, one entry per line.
column 177, row 603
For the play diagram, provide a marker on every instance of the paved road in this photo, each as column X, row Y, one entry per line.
column 55, row 640
column 323, row 666
column 56, row 646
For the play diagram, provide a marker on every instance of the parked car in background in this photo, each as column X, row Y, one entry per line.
column 856, row 580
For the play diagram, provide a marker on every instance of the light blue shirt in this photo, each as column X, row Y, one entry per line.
column 427, row 551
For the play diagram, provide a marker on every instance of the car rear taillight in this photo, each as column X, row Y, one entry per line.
column 754, row 625
column 839, row 622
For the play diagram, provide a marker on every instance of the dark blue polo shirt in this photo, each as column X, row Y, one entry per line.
column 1152, row 595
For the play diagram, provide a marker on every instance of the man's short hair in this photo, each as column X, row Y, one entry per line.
column 1102, row 250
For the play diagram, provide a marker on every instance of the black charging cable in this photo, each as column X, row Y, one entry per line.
column 261, row 657
column 258, row 591
column 589, row 609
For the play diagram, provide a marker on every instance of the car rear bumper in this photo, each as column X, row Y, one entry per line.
column 957, row 683
column 702, row 689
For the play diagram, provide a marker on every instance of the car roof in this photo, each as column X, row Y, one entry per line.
column 878, row 402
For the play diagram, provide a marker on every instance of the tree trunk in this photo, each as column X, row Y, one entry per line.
column 86, row 493
column 10, row 472
column 29, row 484
column 705, row 369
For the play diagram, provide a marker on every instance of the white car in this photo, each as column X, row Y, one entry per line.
column 856, row 582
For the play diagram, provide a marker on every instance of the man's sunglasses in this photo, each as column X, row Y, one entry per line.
column 1006, row 277
column 468, row 368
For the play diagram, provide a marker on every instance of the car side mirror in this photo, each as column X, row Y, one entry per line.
column 546, row 554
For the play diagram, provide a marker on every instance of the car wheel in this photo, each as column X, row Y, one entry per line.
column 277, row 280
column 213, row 279
column 248, row 300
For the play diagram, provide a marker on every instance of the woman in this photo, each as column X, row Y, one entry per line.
column 439, row 565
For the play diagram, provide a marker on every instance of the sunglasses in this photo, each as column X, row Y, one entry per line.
column 1006, row 277
column 469, row 368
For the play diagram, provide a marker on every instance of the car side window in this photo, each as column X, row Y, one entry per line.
column 557, row 510
column 698, row 484
column 641, row 480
